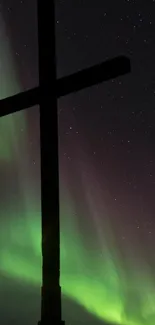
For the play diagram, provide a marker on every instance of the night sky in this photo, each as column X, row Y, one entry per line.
column 106, row 159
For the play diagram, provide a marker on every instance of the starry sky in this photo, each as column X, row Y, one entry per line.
column 106, row 166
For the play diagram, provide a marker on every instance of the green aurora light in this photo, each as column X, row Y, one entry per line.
column 97, row 280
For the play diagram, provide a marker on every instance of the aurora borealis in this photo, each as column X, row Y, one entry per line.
column 107, row 183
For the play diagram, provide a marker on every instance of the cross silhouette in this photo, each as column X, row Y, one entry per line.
column 45, row 95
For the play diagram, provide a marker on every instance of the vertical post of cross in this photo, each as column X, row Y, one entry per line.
column 51, row 291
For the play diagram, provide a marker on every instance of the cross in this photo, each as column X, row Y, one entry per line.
column 45, row 95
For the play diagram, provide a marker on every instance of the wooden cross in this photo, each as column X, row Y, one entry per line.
column 46, row 97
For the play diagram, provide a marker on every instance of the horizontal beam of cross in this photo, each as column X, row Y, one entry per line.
column 83, row 79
